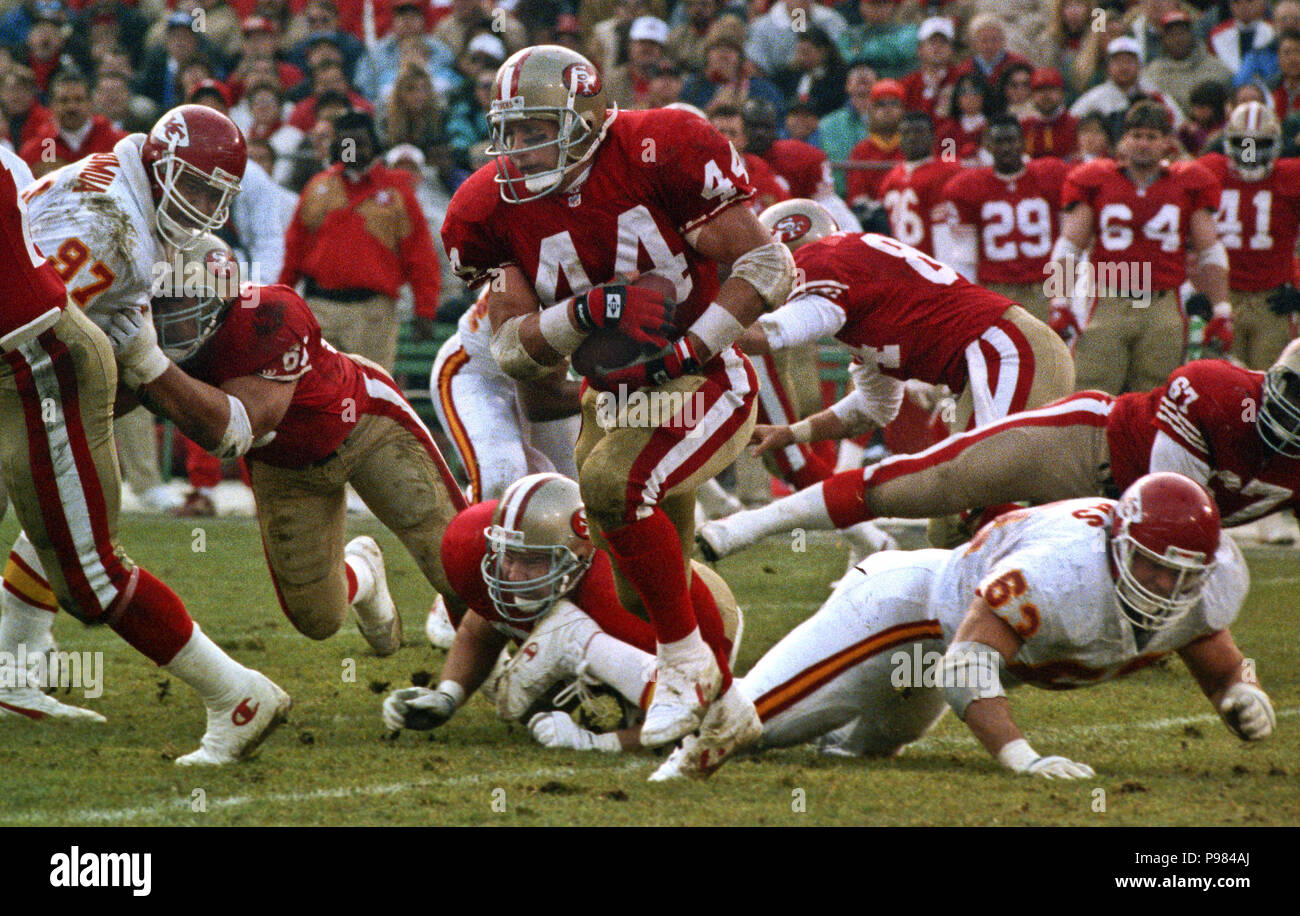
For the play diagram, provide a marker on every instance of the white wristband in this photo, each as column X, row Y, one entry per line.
column 802, row 432
column 1017, row 755
column 1223, row 310
column 717, row 328
column 453, row 690
column 147, row 368
column 558, row 330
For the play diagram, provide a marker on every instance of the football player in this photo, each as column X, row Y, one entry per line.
column 577, row 197
column 1144, row 213
column 529, row 574
column 57, row 387
column 1000, row 220
column 1061, row 597
column 905, row 316
column 1259, row 211
column 912, row 191
column 1232, row 430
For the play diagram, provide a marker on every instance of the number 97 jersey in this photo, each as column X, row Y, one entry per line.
column 655, row 177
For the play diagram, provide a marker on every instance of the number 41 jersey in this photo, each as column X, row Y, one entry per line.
column 656, row 176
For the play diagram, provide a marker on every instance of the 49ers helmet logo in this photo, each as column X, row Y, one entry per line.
column 173, row 132
column 578, row 522
column 581, row 79
column 791, row 228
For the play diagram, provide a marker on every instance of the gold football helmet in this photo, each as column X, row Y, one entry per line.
column 191, row 296
column 1278, row 421
column 1251, row 139
column 552, row 83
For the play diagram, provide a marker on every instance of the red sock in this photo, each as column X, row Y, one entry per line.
column 845, row 499
column 813, row 472
column 649, row 555
column 155, row 623
column 352, row 582
column 711, row 628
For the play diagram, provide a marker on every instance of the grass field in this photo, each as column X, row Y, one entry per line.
column 1161, row 755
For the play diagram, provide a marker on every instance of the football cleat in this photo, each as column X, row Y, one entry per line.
column 377, row 616
column 682, row 695
column 714, row 540
column 731, row 724
column 235, row 731
column 438, row 627
column 552, row 653
column 30, row 703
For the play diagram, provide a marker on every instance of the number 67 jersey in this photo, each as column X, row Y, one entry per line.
column 93, row 219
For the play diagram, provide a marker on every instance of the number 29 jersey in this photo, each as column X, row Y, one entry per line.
column 656, row 176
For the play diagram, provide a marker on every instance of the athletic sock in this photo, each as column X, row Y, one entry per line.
column 649, row 555
column 27, row 604
column 155, row 622
column 361, row 579
column 215, row 676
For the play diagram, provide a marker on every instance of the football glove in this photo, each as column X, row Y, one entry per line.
column 676, row 361
column 1059, row 768
column 1063, row 320
column 1284, row 300
column 135, row 344
column 417, row 708
column 637, row 312
column 1247, row 712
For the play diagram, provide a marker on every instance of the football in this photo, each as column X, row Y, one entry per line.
column 612, row 349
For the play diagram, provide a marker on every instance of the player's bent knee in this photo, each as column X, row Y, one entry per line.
column 603, row 487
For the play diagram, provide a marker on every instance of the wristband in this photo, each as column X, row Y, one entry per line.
column 558, row 331
column 716, row 328
column 1017, row 755
column 802, row 432
column 453, row 690
column 1223, row 310
column 147, row 368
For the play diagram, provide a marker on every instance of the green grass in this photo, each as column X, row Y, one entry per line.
column 330, row 766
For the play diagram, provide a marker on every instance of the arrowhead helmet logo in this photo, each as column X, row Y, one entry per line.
column 173, row 132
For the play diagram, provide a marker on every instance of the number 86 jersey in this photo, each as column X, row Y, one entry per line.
column 93, row 220
column 656, row 176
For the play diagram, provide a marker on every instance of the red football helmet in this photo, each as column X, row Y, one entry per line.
column 1163, row 540
column 195, row 158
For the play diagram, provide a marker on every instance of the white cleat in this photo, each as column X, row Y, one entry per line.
column 160, row 500
column 720, row 538
column 31, row 703
column 438, row 627
column 732, row 724
column 558, row 730
column 377, row 616
column 1275, row 529
column 551, row 654
column 682, row 695
column 235, row 731
column 717, row 502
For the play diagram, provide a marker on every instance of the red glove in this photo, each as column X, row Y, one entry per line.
column 678, row 360
column 638, row 312
column 1063, row 320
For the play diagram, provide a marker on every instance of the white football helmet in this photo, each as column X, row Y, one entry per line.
column 1252, row 138
column 538, row 547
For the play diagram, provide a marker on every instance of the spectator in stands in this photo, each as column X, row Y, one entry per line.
column 1090, row 64
column 1094, row 138
column 816, row 75
column 160, row 72
column 111, row 97
column 433, row 199
column 1246, row 30
column 357, row 236
column 261, row 152
column 801, row 122
column 666, row 84
column 381, row 65
column 213, row 19
column 1183, row 61
column 1285, row 88
column 960, row 132
column 880, row 146
column 312, row 155
column 880, row 40
column 43, row 49
column 773, row 36
column 469, row 17
column 412, row 114
column 74, row 132
column 686, row 42
column 109, row 25
column 628, row 85
column 484, row 53
column 1123, row 86
column 25, row 115
column 467, row 125
column 321, row 18
column 1050, row 130
column 265, row 122
column 261, row 57
column 1013, row 92
column 928, row 87
column 17, row 22
column 606, row 46
column 1067, row 33
column 846, row 126
column 1207, row 110
column 1261, row 62
column 568, row 34
column 328, row 77
column 728, row 121
column 987, row 37
column 725, row 81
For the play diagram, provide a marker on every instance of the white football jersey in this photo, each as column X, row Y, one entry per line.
column 1047, row 573
column 94, row 219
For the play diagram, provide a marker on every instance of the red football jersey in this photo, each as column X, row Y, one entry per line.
column 803, row 166
column 768, row 189
column 1058, row 136
column 1016, row 219
column 1144, row 227
column 865, row 183
column 31, row 293
column 657, row 175
column 912, row 314
column 464, row 544
column 912, row 195
column 1208, row 407
column 1257, row 223
column 276, row 336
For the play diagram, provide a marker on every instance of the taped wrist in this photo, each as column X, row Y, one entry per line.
column 970, row 672
column 802, row 432
column 509, row 353
column 454, row 691
column 146, row 369
column 717, row 329
column 769, row 269
column 558, row 330
column 238, row 437
column 1018, row 755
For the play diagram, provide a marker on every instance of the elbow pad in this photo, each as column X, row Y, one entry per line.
column 509, row 353
column 238, row 437
column 769, row 269
column 970, row 672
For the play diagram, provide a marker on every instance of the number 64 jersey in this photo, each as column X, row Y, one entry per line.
column 1047, row 573
column 93, row 219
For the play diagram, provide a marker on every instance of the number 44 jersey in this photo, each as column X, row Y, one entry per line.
column 94, row 220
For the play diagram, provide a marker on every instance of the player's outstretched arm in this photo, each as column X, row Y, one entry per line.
column 550, row 397
column 1228, row 680
column 972, row 683
column 469, row 662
